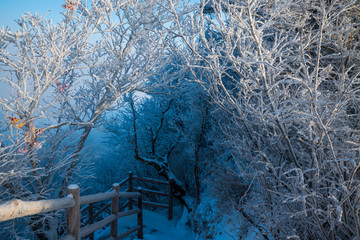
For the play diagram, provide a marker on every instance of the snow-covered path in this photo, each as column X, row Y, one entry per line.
column 156, row 227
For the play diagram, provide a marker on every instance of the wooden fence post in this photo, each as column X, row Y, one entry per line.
column 171, row 196
column 115, row 210
column 140, row 233
column 73, row 214
column 130, row 190
column 91, row 219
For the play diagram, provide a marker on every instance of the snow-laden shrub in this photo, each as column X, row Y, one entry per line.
column 286, row 73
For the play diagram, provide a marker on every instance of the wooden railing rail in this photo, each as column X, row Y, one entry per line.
column 123, row 181
column 87, row 230
column 169, row 192
column 18, row 208
column 103, row 196
column 92, row 216
column 72, row 202
column 89, row 208
column 153, row 192
column 97, row 197
column 150, row 180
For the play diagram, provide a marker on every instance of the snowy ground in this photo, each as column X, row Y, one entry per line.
column 156, row 227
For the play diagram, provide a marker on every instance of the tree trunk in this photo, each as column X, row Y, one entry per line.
column 159, row 163
column 70, row 170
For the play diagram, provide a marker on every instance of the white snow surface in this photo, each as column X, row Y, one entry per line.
column 73, row 186
column 156, row 227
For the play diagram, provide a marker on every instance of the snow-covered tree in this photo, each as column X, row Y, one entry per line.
column 165, row 128
column 286, row 73
column 62, row 78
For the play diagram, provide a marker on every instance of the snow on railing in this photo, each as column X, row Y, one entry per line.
column 168, row 194
column 72, row 202
column 18, row 208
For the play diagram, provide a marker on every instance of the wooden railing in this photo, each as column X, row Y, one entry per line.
column 18, row 208
column 91, row 216
column 169, row 194
column 72, row 202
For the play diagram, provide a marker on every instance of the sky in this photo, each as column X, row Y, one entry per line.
column 10, row 10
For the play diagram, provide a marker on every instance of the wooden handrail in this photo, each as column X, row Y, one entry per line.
column 124, row 206
column 103, row 196
column 18, row 208
column 169, row 193
column 123, row 181
column 120, row 184
column 85, row 208
column 101, row 210
column 153, row 192
column 97, row 197
column 150, row 180
column 112, row 219
column 129, row 194
column 96, row 226
column 128, row 213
